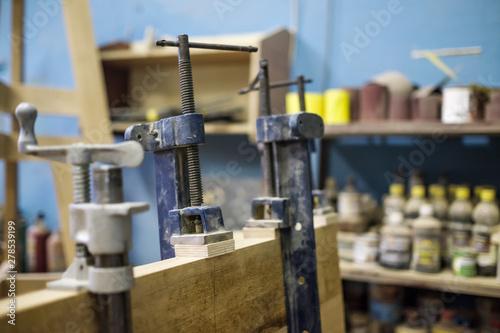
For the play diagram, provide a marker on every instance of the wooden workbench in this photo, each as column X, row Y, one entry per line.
column 238, row 292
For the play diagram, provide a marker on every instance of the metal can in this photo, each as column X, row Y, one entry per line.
column 465, row 262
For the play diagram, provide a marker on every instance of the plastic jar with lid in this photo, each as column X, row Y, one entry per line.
column 464, row 262
column 395, row 201
column 487, row 251
column 486, row 211
column 395, row 246
column 412, row 206
column 426, row 242
column 461, row 208
column 366, row 249
column 439, row 202
column 459, row 235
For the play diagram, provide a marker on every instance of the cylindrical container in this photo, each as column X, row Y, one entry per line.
column 337, row 108
column 55, row 253
column 21, row 264
column 464, row 262
column 374, row 102
column 36, row 239
column 446, row 324
column 412, row 324
column 413, row 204
column 353, row 102
column 314, row 103
column 366, row 249
column 426, row 242
column 459, row 235
column 358, row 322
column 456, row 105
column 395, row 201
column 386, row 302
column 399, row 108
column 395, row 247
column 350, row 214
column 492, row 110
column 487, row 252
column 426, row 108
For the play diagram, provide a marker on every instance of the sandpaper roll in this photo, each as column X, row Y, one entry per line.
column 374, row 101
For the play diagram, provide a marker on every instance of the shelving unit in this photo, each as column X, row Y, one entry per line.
column 444, row 281
column 385, row 128
column 216, row 74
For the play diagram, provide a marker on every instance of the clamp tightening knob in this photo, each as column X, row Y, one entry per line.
column 127, row 154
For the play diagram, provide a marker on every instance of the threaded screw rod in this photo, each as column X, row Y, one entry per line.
column 188, row 106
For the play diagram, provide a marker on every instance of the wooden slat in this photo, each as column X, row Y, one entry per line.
column 444, row 281
column 437, row 129
column 88, row 74
column 17, row 41
column 238, row 292
column 10, row 209
column 4, row 97
column 52, row 101
column 28, row 282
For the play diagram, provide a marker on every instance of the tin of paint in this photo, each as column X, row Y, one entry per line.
column 465, row 261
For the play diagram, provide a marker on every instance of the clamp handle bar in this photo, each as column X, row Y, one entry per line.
column 126, row 154
column 222, row 47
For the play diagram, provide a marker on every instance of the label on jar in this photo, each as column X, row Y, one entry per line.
column 390, row 243
column 426, row 253
column 487, row 251
column 457, row 238
column 464, row 266
column 395, row 258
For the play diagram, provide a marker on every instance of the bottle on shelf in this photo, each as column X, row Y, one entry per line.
column 426, row 242
column 55, row 253
column 438, row 200
column 395, row 201
column 36, row 239
column 412, row 206
column 395, row 243
column 349, row 209
column 446, row 324
column 486, row 216
column 21, row 265
column 495, row 325
column 460, row 222
column 452, row 189
column 331, row 191
column 412, row 323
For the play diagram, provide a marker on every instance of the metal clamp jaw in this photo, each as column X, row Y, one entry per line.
column 98, row 228
column 182, row 216
column 321, row 203
column 269, row 212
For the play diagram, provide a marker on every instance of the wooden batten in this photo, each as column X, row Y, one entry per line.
column 4, row 97
column 240, row 291
column 54, row 101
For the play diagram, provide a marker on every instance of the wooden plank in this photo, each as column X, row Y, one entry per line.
column 87, row 69
column 53, row 101
column 4, row 97
column 329, row 282
column 10, row 209
column 238, row 292
column 436, row 129
column 17, row 42
column 204, row 251
column 444, row 281
column 29, row 282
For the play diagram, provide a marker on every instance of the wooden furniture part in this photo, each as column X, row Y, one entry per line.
column 444, row 281
column 87, row 102
column 150, row 79
column 241, row 291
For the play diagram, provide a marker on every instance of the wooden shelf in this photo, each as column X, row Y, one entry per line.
column 210, row 128
column 411, row 128
column 444, row 281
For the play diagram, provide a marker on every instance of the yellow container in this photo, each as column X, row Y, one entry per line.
column 337, row 107
column 314, row 103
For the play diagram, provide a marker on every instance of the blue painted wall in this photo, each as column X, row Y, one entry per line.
column 326, row 29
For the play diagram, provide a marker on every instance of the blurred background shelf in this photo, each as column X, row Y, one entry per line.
column 444, row 281
column 411, row 128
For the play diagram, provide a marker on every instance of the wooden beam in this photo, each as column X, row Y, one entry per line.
column 89, row 78
column 29, row 282
column 10, row 209
column 17, row 41
column 54, row 101
column 4, row 97
column 241, row 291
